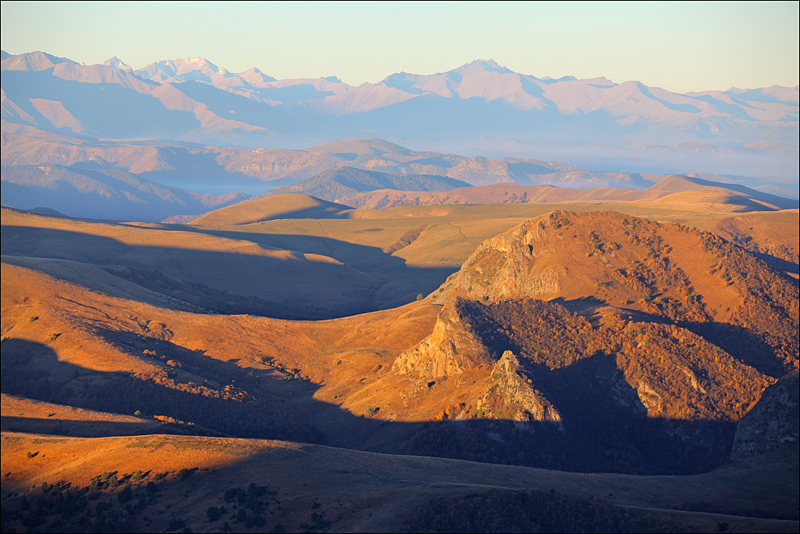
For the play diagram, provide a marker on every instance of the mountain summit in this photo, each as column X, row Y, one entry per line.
column 193, row 68
column 117, row 63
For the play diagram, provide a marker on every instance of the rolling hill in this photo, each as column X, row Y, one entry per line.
column 660, row 282
column 220, row 171
column 208, row 168
column 676, row 191
column 286, row 206
column 282, row 341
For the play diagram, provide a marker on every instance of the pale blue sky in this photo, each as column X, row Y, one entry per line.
column 678, row 46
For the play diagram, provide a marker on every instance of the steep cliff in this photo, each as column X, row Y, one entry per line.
column 772, row 422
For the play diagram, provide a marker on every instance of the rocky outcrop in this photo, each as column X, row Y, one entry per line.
column 503, row 267
column 772, row 422
column 449, row 350
column 512, row 392
column 454, row 347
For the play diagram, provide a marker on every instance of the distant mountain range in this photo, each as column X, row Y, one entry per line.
column 205, row 168
column 102, row 194
column 194, row 100
column 124, row 180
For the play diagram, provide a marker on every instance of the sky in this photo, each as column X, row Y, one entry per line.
column 692, row 46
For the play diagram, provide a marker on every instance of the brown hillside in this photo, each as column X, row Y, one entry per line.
column 116, row 355
column 669, row 271
column 679, row 326
column 189, row 269
column 675, row 192
column 493, row 194
column 21, row 414
column 290, row 206
column 471, row 340
column 677, row 333
column 66, row 345
column 774, row 235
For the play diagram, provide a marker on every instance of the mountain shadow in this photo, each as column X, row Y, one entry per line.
column 202, row 396
column 321, row 277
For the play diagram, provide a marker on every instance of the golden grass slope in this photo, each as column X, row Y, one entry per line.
column 776, row 235
column 621, row 261
column 83, row 339
column 73, row 328
column 674, row 191
column 291, row 206
column 227, row 263
column 28, row 415
column 423, row 233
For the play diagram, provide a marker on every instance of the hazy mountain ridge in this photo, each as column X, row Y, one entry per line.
column 102, row 193
column 186, row 164
column 209, row 104
column 224, row 170
column 122, row 192
column 343, row 184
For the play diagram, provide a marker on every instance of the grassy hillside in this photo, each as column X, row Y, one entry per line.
column 582, row 341
column 164, row 353
column 288, row 206
column 676, row 192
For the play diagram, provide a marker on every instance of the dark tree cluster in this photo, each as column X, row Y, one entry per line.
column 527, row 511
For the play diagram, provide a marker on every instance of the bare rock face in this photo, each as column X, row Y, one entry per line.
column 449, row 350
column 772, row 422
column 502, row 267
column 454, row 348
column 514, row 391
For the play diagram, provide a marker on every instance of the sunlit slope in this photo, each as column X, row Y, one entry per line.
column 373, row 381
column 775, row 235
column 330, row 266
column 326, row 486
column 648, row 322
column 668, row 271
column 493, row 194
column 229, row 375
column 193, row 269
column 28, row 415
column 672, row 192
column 676, row 183
column 288, row 206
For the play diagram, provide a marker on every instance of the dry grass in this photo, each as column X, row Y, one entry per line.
column 77, row 317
